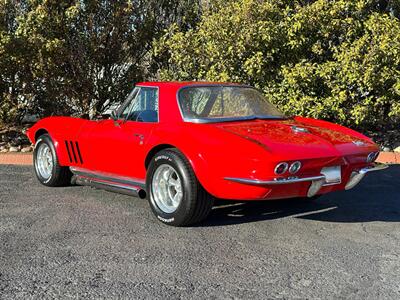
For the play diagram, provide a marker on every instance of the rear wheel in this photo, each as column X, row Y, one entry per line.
column 175, row 195
column 45, row 161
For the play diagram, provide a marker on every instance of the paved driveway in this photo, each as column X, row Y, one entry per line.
column 81, row 242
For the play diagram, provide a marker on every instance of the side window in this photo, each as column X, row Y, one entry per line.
column 144, row 108
column 126, row 107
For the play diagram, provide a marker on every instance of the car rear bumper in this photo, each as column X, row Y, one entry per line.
column 357, row 175
column 317, row 182
column 289, row 180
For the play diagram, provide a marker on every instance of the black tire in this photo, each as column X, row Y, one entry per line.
column 196, row 203
column 60, row 176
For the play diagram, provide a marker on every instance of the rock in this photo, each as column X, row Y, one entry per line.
column 27, row 149
column 13, row 149
column 4, row 150
column 397, row 149
column 386, row 149
column 2, row 144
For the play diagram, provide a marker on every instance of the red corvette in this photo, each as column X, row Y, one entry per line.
column 183, row 144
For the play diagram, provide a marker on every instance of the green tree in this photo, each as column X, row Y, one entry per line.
column 337, row 60
column 78, row 56
column 13, row 58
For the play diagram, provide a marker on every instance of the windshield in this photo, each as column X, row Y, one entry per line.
column 225, row 103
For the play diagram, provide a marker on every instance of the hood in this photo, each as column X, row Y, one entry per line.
column 298, row 139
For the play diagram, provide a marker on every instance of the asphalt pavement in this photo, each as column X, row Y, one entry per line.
column 78, row 242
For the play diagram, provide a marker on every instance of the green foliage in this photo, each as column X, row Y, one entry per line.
column 78, row 56
column 12, row 54
column 336, row 60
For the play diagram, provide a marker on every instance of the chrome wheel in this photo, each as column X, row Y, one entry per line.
column 44, row 161
column 167, row 188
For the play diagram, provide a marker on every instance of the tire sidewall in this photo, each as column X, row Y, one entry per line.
column 180, row 214
column 46, row 140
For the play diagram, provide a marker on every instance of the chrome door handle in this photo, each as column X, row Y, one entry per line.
column 140, row 136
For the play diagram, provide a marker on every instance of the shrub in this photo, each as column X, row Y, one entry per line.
column 336, row 60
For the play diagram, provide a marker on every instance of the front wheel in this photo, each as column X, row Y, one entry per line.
column 175, row 195
column 45, row 161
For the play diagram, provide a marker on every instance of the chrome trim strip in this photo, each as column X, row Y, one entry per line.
column 274, row 182
column 107, row 177
column 375, row 167
column 103, row 182
column 228, row 119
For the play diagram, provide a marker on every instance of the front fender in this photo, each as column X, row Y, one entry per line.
column 61, row 130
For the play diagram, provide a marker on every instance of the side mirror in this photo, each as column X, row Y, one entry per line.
column 114, row 115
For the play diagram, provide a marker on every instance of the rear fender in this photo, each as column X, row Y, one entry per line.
column 213, row 153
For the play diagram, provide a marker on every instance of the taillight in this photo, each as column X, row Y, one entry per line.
column 281, row 168
column 294, row 167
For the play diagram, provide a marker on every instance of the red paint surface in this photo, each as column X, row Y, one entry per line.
column 247, row 149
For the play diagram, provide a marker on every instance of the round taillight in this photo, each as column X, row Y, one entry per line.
column 295, row 167
column 372, row 156
column 281, row 168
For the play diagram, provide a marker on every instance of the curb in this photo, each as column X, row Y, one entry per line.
column 21, row 159
column 389, row 157
column 25, row 159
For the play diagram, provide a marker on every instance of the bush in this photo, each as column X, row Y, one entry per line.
column 336, row 60
column 78, row 56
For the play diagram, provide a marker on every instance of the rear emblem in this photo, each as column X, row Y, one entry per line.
column 358, row 143
column 299, row 129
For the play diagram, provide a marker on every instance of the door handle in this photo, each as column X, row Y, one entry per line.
column 140, row 136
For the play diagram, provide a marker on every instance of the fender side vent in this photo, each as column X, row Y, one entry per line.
column 79, row 152
column 69, row 153
column 74, row 153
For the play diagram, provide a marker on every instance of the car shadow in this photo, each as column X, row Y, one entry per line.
column 376, row 198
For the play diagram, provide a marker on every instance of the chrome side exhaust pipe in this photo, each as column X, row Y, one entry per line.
column 109, row 186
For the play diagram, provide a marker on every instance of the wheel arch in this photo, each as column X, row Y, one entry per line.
column 193, row 160
column 154, row 151
column 39, row 133
column 62, row 156
column 197, row 163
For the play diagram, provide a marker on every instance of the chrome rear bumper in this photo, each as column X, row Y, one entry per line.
column 357, row 175
column 288, row 180
column 317, row 181
column 376, row 167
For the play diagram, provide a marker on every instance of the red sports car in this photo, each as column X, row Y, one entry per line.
column 183, row 144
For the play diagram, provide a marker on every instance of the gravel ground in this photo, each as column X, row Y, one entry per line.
column 81, row 242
